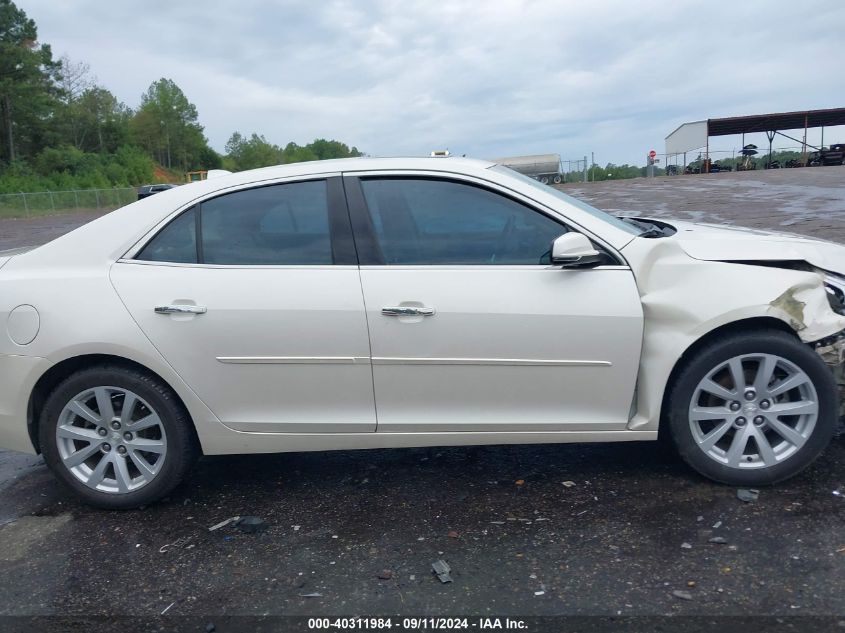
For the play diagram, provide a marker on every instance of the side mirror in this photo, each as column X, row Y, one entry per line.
column 574, row 250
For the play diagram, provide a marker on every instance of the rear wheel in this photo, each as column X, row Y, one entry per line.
column 753, row 409
column 117, row 437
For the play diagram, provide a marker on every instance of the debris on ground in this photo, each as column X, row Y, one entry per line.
column 717, row 525
column 683, row 595
column 686, row 545
column 838, row 493
column 520, row 482
column 175, row 544
column 454, row 534
column 690, row 583
column 251, row 525
column 442, row 569
column 539, row 593
column 385, row 574
column 224, row 523
column 718, row 540
column 747, row 494
column 568, row 484
column 167, row 608
column 210, row 628
column 311, row 595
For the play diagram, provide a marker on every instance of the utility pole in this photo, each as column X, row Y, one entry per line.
column 593, row 166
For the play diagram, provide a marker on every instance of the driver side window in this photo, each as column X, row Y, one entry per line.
column 440, row 222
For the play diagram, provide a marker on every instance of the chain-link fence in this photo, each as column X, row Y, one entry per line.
column 25, row 205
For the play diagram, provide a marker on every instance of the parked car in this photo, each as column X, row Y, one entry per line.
column 368, row 303
column 833, row 155
column 144, row 191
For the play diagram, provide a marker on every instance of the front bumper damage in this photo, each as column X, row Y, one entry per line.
column 832, row 352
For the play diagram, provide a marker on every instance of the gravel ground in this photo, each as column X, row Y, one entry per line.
column 629, row 533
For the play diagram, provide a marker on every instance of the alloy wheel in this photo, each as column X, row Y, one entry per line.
column 111, row 440
column 753, row 411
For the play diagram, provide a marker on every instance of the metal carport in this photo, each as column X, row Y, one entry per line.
column 695, row 135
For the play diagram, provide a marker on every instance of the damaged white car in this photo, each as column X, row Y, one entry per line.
column 372, row 303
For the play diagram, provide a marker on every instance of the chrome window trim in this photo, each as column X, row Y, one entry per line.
column 139, row 262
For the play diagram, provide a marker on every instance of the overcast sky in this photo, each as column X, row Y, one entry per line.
column 486, row 79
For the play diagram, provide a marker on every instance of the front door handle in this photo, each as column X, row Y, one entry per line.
column 407, row 311
column 180, row 309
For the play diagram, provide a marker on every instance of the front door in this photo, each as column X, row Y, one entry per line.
column 254, row 298
column 471, row 329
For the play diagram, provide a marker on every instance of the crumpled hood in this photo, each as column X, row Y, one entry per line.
column 712, row 242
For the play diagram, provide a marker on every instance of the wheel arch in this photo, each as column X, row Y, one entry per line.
column 752, row 324
column 51, row 378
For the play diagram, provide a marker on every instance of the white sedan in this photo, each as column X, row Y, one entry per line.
column 369, row 303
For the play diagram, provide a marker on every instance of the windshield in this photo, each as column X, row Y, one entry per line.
column 601, row 215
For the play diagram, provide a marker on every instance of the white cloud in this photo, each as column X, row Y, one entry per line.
column 486, row 79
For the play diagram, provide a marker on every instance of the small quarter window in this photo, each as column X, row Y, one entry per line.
column 177, row 242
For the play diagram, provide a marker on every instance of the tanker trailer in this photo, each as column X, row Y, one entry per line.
column 543, row 167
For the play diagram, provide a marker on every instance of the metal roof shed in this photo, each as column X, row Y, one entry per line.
column 695, row 135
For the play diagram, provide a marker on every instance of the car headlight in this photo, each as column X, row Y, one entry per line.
column 835, row 287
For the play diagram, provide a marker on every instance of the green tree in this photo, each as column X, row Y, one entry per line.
column 104, row 121
column 324, row 149
column 255, row 151
column 250, row 153
column 166, row 125
column 75, row 78
column 294, row 153
column 27, row 83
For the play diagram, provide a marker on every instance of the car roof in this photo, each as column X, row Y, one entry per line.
column 439, row 163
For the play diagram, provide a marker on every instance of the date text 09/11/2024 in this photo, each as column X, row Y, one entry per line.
column 416, row 624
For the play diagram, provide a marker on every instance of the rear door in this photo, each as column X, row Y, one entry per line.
column 472, row 329
column 254, row 298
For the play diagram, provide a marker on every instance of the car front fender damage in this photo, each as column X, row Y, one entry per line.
column 806, row 309
column 685, row 300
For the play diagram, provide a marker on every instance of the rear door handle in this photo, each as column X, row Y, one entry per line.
column 407, row 311
column 180, row 309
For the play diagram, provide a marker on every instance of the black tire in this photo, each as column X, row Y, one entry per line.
column 182, row 445
column 722, row 349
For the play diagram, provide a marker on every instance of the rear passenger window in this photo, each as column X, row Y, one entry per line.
column 275, row 225
column 177, row 242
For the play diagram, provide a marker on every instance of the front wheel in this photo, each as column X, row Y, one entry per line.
column 753, row 409
column 117, row 437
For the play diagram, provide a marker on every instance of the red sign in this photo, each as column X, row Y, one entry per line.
column 652, row 154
